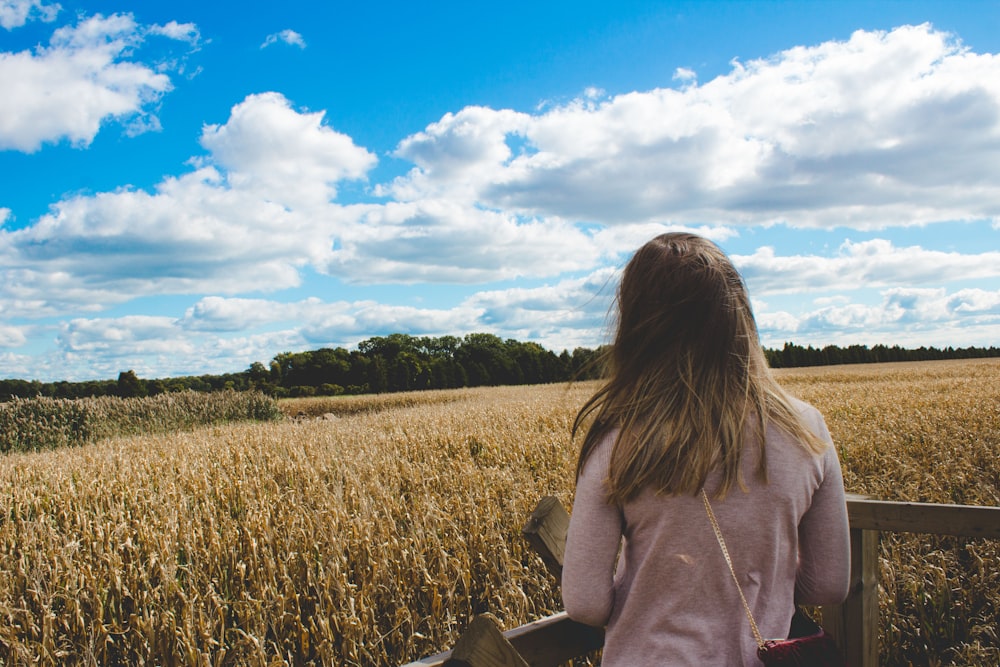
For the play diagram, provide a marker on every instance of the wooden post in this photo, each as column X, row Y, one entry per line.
column 855, row 622
column 557, row 639
column 483, row 645
column 546, row 533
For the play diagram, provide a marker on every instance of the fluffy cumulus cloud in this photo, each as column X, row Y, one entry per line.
column 875, row 263
column 153, row 346
column 15, row 13
column 447, row 241
column 460, row 155
column 573, row 312
column 12, row 336
column 884, row 129
column 124, row 335
column 248, row 218
column 904, row 315
column 191, row 234
column 219, row 314
column 282, row 154
column 255, row 212
column 83, row 78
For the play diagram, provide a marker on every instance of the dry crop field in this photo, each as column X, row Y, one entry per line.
column 368, row 530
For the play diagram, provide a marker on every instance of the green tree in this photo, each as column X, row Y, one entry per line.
column 129, row 385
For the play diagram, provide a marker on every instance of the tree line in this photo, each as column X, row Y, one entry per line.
column 794, row 356
column 400, row 362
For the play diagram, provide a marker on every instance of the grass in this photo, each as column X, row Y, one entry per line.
column 371, row 536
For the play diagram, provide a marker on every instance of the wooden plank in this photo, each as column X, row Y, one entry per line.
column 554, row 640
column 436, row 660
column 546, row 642
column 483, row 645
column 961, row 520
column 546, row 533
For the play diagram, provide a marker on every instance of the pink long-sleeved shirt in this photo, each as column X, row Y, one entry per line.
column 668, row 598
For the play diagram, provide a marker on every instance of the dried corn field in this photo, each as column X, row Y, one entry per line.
column 369, row 530
column 923, row 432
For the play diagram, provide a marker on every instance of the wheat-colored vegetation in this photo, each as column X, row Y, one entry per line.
column 34, row 424
column 923, row 432
column 371, row 536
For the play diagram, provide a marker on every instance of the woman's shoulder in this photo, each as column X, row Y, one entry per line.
column 599, row 458
column 809, row 415
column 800, row 405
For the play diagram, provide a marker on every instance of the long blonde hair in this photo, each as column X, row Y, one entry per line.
column 687, row 378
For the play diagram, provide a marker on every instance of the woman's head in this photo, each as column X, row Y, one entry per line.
column 688, row 379
column 681, row 298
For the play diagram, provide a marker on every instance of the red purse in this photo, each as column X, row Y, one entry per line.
column 808, row 644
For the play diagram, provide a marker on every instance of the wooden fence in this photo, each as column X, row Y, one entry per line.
column 557, row 639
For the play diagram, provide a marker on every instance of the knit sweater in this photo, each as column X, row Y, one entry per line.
column 668, row 598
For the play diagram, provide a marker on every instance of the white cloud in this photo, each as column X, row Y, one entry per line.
column 23, row 366
column 81, row 80
column 192, row 235
column 12, row 336
column 316, row 322
column 557, row 308
column 887, row 128
column 250, row 227
column 286, row 36
column 371, row 318
column 874, row 263
column 215, row 313
column 153, row 347
column 254, row 213
column 15, row 13
column 570, row 313
column 974, row 301
column 775, row 325
column 287, row 156
column 685, row 74
column 125, row 335
column 445, row 241
column 459, row 155
column 574, row 312
column 903, row 316
column 182, row 32
column 831, row 300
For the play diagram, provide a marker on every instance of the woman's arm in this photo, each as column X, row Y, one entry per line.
column 825, row 540
column 595, row 533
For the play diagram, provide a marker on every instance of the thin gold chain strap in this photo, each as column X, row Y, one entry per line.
column 729, row 562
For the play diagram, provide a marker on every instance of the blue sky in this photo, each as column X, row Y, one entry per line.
column 187, row 188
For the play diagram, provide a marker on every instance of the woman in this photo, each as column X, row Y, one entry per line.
column 690, row 404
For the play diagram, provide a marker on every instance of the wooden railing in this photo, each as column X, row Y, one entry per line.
column 556, row 639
